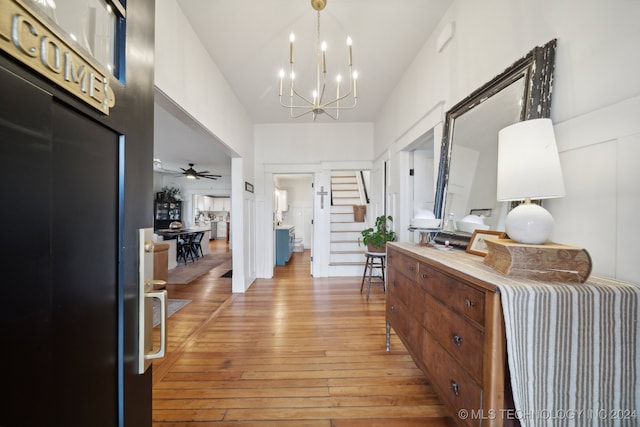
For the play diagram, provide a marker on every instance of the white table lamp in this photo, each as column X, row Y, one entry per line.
column 529, row 168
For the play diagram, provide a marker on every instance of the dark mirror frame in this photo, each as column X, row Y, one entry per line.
column 537, row 69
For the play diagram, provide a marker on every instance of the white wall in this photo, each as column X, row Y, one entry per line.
column 185, row 73
column 595, row 106
column 313, row 148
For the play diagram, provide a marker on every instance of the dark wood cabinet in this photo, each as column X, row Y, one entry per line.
column 165, row 212
column 452, row 325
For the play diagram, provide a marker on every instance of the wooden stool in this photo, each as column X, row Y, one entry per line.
column 374, row 260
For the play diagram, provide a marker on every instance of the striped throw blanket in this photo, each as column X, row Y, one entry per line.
column 573, row 349
column 573, row 352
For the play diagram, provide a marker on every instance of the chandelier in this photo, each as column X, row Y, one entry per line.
column 300, row 105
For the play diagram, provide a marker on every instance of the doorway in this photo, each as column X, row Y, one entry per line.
column 293, row 207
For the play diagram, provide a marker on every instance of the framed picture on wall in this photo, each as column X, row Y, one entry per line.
column 248, row 187
column 477, row 245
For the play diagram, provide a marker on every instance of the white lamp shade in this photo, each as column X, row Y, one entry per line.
column 528, row 162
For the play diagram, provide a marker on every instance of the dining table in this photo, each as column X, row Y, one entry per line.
column 179, row 234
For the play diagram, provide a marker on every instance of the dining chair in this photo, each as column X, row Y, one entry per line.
column 185, row 248
column 196, row 244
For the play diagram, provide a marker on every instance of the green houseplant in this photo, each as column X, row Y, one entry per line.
column 377, row 237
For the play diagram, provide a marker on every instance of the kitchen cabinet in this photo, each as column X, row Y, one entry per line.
column 285, row 242
column 209, row 203
column 222, row 230
column 214, row 231
column 198, row 202
column 220, row 204
column 282, row 201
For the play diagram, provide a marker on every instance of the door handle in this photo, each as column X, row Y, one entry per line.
column 162, row 296
column 148, row 290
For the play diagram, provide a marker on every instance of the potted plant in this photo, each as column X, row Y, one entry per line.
column 169, row 193
column 377, row 237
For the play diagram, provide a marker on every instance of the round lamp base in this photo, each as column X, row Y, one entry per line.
column 529, row 223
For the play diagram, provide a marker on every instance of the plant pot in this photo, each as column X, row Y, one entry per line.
column 358, row 213
column 376, row 249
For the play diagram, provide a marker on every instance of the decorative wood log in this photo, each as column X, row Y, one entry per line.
column 550, row 261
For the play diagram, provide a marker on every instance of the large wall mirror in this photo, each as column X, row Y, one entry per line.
column 467, row 172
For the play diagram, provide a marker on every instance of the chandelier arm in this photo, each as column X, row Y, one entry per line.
column 351, row 107
column 346, row 95
column 331, row 115
column 304, row 98
column 322, row 93
column 300, row 115
column 309, row 107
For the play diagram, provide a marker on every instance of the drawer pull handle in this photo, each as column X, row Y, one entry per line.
column 424, row 276
column 469, row 303
column 457, row 340
column 410, row 268
column 455, row 388
column 393, row 308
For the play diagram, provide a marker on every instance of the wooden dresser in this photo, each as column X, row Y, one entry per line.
column 460, row 319
column 452, row 325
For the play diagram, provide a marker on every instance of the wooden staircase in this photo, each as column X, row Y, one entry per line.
column 346, row 253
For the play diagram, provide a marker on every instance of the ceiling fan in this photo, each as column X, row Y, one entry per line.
column 191, row 173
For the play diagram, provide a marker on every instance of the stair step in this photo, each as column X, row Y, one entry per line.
column 342, row 216
column 345, row 235
column 347, row 226
column 350, row 257
column 342, row 209
column 345, row 193
column 344, row 201
column 348, row 263
column 344, row 186
column 344, row 180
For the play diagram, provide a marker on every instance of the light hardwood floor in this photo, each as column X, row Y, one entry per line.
column 291, row 351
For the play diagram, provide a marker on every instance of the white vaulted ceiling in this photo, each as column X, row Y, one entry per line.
column 249, row 42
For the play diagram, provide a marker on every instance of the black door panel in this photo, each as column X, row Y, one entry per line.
column 60, row 252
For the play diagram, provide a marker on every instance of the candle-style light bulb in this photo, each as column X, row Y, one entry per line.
column 292, row 38
column 281, row 74
column 323, row 48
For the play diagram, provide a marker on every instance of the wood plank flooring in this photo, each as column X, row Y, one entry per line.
column 291, row 351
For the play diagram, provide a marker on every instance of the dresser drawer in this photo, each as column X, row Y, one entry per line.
column 453, row 292
column 406, row 290
column 405, row 265
column 462, row 339
column 453, row 383
column 406, row 326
